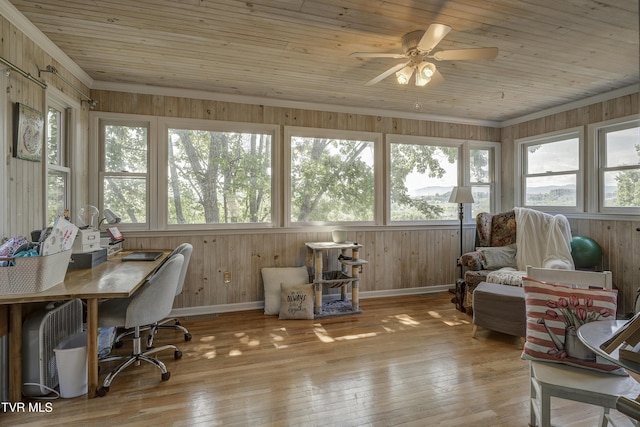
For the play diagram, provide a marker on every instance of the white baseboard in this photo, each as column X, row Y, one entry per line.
column 256, row 305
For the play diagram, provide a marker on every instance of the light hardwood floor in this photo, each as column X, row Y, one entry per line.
column 404, row 361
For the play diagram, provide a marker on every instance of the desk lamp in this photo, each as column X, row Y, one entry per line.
column 110, row 217
column 461, row 195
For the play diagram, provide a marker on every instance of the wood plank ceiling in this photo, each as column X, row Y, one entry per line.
column 550, row 52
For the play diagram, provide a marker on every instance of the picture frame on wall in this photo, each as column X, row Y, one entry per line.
column 28, row 133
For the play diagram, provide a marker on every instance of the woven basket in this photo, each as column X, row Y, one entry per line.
column 33, row 274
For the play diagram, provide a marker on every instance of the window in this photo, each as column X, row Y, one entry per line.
column 58, row 171
column 167, row 173
column 218, row 177
column 551, row 171
column 619, row 149
column 125, row 170
column 483, row 170
column 423, row 171
column 332, row 176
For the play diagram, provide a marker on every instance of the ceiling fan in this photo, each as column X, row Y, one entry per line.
column 418, row 50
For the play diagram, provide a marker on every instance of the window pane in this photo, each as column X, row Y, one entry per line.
column 56, row 194
column 127, row 198
column 557, row 190
column 622, row 188
column 623, row 147
column 125, row 149
column 218, row 177
column 481, row 198
column 479, row 166
column 556, row 156
column 53, row 136
column 331, row 180
column 422, row 177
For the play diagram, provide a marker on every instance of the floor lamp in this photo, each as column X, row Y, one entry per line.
column 461, row 195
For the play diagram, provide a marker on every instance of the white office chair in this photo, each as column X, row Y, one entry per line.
column 151, row 303
column 185, row 249
column 572, row 383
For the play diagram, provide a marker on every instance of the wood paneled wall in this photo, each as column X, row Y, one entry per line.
column 25, row 179
column 398, row 260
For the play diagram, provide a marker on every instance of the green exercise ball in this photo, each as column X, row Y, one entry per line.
column 586, row 252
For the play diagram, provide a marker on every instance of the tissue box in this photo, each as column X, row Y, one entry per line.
column 88, row 260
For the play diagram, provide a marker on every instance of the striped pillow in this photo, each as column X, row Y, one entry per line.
column 554, row 313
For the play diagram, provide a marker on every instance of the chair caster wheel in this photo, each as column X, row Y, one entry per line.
column 177, row 354
column 166, row 376
column 118, row 344
column 187, row 336
column 102, row 391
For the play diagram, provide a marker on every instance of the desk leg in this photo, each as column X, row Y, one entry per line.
column 15, row 354
column 92, row 347
column 317, row 270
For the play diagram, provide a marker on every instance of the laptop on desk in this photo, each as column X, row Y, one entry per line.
column 142, row 256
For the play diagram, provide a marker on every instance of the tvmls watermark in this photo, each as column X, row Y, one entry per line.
column 43, row 407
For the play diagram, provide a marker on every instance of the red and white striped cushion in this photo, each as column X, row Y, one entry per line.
column 554, row 312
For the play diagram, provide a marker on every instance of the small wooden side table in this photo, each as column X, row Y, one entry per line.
column 350, row 260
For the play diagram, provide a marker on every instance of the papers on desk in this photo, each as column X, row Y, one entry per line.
column 628, row 334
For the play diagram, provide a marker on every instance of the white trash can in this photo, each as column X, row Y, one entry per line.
column 71, row 360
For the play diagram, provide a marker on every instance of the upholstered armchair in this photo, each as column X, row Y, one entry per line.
column 508, row 242
column 492, row 231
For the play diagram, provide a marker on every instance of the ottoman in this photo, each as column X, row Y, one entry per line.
column 499, row 308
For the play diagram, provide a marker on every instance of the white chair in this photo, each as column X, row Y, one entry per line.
column 572, row 383
column 151, row 303
column 185, row 249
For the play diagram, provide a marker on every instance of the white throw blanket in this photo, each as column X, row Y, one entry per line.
column 542, row 240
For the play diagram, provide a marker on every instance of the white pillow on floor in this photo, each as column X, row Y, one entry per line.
column 273, row 277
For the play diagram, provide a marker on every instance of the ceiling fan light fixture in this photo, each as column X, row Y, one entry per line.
column 427, row 69
column 404, row 75
column 422, row 80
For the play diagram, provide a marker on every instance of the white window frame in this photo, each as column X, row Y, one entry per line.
column 305, row 132
column 98, row 121
column 62, row 166
column 495, row 173
column 71, row 108
column 157, row 157
column 520, row 168
column 596, row 165
column 464, row 146
column 4, row 141
column 166, row 123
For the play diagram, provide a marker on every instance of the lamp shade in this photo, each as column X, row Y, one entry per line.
column 461, row 195
column 110, row 217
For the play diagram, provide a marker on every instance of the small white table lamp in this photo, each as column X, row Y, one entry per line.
column 461, row 195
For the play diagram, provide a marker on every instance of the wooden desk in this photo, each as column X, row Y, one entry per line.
column 111, row 279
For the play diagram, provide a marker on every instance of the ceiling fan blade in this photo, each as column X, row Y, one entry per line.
column 434, row 34
column 377, row 55
column 387, row 73
column 466, row 54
